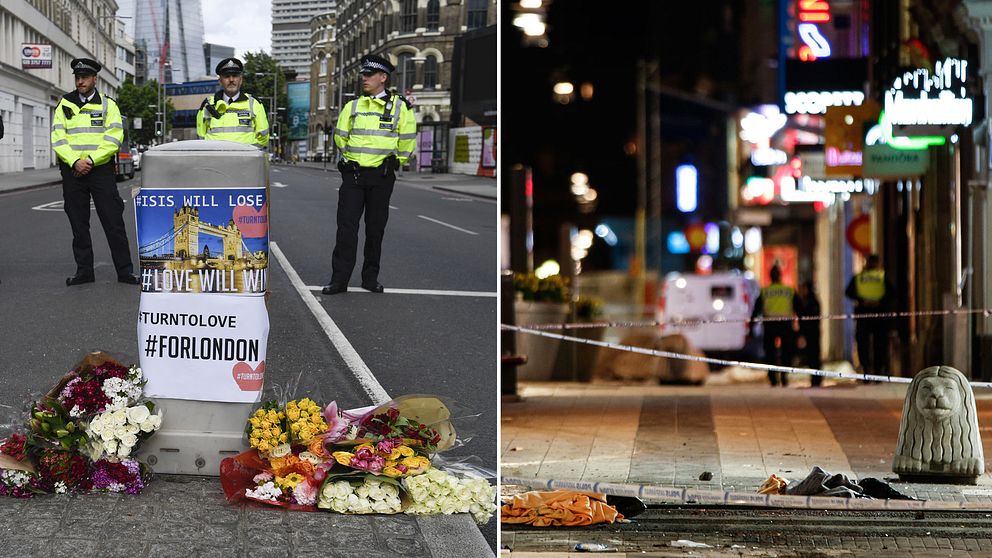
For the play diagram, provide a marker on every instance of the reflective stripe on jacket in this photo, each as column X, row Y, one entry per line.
column 777, row 299
column 367, row 132
column 93, row 130
column 870, row 285
column 243, row 121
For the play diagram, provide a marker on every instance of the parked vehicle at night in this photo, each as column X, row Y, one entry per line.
column 694, row 305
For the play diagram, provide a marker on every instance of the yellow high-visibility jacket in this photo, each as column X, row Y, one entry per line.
column 777, row 299
column 93, row 130
column 243, row 121
column 369, row 129
column 870, row 285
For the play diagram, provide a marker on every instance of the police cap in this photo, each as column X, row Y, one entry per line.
column 230, row 66
column 372, row 64
column 85, row 66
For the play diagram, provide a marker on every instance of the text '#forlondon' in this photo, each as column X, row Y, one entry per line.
column 192, row 347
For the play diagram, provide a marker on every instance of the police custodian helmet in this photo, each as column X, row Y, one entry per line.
column 85, row 66
column 372, row 64
column 230, row 66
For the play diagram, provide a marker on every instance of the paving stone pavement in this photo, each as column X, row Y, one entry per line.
column 188, row 516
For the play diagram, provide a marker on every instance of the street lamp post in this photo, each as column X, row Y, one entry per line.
column 272, row 104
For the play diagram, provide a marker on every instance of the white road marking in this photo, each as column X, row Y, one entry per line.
column 393, row 207
column 56, row 206
column 351, row 357
column 390, row 290
column 279, row 185
column 459, row 199
column 466, row 231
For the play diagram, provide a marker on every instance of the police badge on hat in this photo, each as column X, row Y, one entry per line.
column 85, row 66
column 372, row 64
column 230, row 66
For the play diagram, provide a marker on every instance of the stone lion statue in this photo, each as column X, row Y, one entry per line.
column 938, row 434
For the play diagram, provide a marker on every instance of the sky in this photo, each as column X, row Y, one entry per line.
column 246, row 27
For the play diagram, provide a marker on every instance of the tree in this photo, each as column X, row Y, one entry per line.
column 140, row 102
column 260, row 87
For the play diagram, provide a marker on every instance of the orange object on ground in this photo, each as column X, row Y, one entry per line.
column 559, row 508
column 774, row 485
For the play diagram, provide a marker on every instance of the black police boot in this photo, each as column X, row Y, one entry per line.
column 333, row 288
column 79, row 279
column 373, row 286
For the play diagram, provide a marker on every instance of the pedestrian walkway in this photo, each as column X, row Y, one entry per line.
column 735, row 435
column 475, row 186
column 11, row 181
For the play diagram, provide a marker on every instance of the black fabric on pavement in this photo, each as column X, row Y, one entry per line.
column 822, row 483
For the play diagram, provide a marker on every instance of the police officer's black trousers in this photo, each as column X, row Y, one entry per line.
column 99, row 184
column 783, row 355
column 365, row 190
column 872, row 338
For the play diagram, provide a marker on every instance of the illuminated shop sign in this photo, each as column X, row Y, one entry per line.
column 817, row 102
column 812, row 14
column 757, row 128
column 919, row 98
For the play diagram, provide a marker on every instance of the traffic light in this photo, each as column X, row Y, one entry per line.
column 159, row 128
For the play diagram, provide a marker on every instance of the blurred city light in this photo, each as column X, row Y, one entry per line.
column 752, row 240
column 579, row 189
column 564, row 88
column 530, row 4
column 704, row 265
column 590, row 195
column 547, row 269
column 737, row 238
column 580, row 178
column 712, row 238
column 586, row 91
column 677, row 243
column 606, row 233
column 686, row 188
column 718, row 304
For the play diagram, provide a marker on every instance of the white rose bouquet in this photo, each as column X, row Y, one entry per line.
column 372, row 495
column 437, row 491
column 117, row 433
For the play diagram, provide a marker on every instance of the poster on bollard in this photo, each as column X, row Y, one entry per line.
column 207, row 347
column 202, row 320
column 205, row 240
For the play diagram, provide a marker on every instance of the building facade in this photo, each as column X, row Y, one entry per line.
column 125, row 53
column 172, row 32
column 323, row 96
column 213, row 54
column 28, row 96
column 418, row 37
column 291, row 33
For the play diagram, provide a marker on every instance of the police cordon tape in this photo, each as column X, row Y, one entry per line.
column 692, row 323
column 725, row 362
column 674, row 494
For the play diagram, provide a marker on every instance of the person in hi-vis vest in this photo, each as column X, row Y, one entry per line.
column 871, row 294
column 376, row 134
column 87, row 132
column 232, row 114
column 777, row 301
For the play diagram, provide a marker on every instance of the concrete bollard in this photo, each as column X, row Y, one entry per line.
column 939, row 439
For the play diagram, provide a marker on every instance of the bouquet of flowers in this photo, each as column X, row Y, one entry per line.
column 437, row 492
column 81, row 433
column 369, row 495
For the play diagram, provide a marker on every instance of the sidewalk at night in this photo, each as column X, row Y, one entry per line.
column 741, row 433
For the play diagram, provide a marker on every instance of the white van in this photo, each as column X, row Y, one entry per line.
column 723, row 295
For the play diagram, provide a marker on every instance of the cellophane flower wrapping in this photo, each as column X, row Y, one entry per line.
column 78, row 437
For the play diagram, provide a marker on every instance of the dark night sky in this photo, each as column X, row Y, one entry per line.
column 695, row 45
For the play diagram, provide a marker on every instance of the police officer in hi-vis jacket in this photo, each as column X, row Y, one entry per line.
column 232, row 114
column 376, row 134
column 871, row 294
column 777, row 300
column 87, row 133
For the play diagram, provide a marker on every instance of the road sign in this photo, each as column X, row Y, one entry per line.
column 36, row 56
column 136, row 123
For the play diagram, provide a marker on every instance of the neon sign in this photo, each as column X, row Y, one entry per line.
column 918, row 98
column 816, row 102
column 812, row 13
